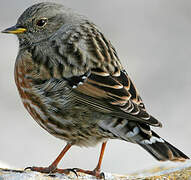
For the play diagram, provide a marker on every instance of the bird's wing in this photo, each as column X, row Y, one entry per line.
column 114, row 93
column 98, row 78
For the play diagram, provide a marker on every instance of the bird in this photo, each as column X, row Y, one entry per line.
column 72, row 82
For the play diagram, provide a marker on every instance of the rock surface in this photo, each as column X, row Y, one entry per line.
column 182, row 172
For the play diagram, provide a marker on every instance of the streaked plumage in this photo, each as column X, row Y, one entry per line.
column 73, row 84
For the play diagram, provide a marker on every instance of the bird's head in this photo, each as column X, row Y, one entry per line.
column 40, row 21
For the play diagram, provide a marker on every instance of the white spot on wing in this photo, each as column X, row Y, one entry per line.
column 118, row 86
column 133, row 133
column 84, row 77
column 152, row 140
column 80, row 83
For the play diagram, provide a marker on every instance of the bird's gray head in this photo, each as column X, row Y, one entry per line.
column 40, row 21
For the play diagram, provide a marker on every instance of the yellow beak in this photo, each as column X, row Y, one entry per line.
column 15, row 30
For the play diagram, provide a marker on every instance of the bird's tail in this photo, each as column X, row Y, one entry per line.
column 142, row 134
column 161, row 149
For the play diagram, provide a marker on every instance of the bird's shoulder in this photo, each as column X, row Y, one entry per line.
column 83, row 46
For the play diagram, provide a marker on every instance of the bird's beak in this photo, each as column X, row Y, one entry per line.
column 15, row 30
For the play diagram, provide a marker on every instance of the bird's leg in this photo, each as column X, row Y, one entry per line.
column 97, row 171
column 53, row 167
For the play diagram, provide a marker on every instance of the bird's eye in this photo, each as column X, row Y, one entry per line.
column 41, row 22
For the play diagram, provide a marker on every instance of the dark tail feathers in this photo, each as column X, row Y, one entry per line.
column 161, row 149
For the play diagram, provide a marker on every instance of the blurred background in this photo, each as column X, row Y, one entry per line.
column 153, row 40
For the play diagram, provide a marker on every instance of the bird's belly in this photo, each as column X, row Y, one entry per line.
column 73, row 125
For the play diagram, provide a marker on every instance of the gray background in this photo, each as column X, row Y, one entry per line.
column 154, row 43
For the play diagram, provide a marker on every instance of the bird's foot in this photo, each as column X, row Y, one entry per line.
column 96, row 172
column 51, row 169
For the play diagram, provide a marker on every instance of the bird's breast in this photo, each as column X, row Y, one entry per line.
column 24, row 69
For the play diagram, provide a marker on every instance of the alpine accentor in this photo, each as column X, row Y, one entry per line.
column 73, row 84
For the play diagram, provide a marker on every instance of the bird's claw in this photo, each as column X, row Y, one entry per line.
column 27, row 168
column 73, row 170
column 67, row 171
column 102, row 175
